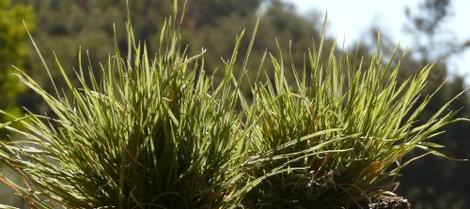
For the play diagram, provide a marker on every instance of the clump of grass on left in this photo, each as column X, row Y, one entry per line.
column 152, row 132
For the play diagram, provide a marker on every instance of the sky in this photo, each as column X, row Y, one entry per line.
column 349, row 20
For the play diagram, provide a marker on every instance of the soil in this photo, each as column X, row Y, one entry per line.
column 389, row 202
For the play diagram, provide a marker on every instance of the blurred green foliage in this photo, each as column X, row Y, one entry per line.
column 438, row 183
column 13, row 51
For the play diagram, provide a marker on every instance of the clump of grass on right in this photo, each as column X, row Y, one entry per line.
column 335, row 135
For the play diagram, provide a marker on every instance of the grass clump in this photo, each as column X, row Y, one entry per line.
column 335, row 135
column 154, row 131
column 150, row 133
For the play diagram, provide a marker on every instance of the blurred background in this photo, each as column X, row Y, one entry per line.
column 427, row 30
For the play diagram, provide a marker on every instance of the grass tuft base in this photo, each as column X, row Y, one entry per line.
column 390, row 202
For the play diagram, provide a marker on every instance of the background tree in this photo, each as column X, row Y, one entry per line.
column 64, row 26
column 13, row 51
column 444, row 183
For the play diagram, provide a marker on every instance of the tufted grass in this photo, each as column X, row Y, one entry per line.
column 334, row 136
column 153, row 130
